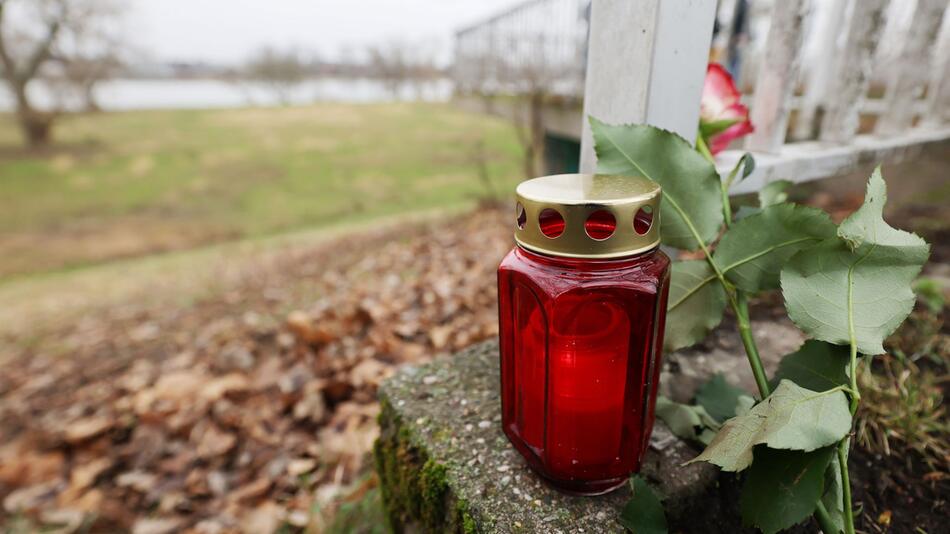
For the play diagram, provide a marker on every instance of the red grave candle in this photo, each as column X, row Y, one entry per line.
column 582, row 302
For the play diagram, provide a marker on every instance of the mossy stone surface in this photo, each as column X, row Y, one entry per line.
column 446, row 466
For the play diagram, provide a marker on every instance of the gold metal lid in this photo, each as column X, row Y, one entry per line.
column 588, row 215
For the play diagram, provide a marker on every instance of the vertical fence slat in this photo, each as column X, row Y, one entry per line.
column 777, row 75
column 937, row 109
column 646, row 64
column 910, row 76
column 847, row 89
column 820, row 75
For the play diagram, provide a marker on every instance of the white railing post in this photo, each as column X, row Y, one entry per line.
column 910, row 76
column 847, row 89
column 646, row 63
column 778, row 72
column 819, row 76
column 937, row 108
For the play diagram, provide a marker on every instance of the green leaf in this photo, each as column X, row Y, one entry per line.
column 783, row 487
column 930, row 291
column 709, row 129
column 833, row 497
column 791, row 417
column 643, row 513
column 719, row 397
column 753, row 251
column 816, row 365
column 857, row 285
column 691, row 209
column 695, row 305
column 866, row 226
column 745, row 211
column 774, row 193
column 684, row 420
column 829, row 287
column 748, row 165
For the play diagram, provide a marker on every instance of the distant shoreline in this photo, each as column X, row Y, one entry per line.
column 126, row 94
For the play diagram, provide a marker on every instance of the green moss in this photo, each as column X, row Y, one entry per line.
column 465, row 519
column 433, row 489
column 414, row 487
column 365, row 516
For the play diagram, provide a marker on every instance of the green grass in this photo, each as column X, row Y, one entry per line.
column 128, row 184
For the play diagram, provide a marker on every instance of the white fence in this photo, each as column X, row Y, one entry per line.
column 644, row 61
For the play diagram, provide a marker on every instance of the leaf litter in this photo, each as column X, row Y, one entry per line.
column 250, row 409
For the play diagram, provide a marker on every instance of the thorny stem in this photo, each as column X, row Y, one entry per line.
column 703, row 148
column 741, row 308
column 737, row 298
column 845, row 486
column 855, row 395
column 740, row 305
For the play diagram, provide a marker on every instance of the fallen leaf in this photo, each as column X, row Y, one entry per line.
column 22, row 466
column 215, row 442
column 83, row 429
column 138, row 480
column 221, row 386
column 884, row 518
column 265, row 518
column 300, row 466
column 251, row 491
column 156, row 526
column 29, row 498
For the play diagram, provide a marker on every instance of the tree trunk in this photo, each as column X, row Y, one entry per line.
column 90, row 104
column 37, row 127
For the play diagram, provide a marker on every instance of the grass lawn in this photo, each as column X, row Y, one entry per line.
column 119, row 185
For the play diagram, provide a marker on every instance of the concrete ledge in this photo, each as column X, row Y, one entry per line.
column 445, row 465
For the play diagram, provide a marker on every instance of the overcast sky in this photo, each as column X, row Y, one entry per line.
column 226, row 31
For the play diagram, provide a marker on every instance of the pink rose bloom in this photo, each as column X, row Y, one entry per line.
column 722, row 117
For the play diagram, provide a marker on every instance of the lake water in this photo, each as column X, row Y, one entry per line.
column 117, row 95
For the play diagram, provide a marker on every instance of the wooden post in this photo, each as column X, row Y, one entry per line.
column 777, row 75
column 909, row 78
column 937, row 109
column 847, row 89
column 646, row 64
column 821, row 73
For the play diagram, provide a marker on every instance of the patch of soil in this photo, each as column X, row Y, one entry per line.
column 898, row 493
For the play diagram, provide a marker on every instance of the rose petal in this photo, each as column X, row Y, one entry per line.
column 719, row 86
column 719, row 142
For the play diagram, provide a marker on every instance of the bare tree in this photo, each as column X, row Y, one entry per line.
column 529, row 126
column 280, row 71
column 390, row 63
column 47, row 32
column 531, row 82
column 75, row 78
column 398, row 63
column 520, row 72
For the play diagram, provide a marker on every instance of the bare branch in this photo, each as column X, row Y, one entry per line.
column 44, row 47
column 8, row 65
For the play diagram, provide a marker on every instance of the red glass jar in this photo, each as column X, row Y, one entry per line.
column 582, row 304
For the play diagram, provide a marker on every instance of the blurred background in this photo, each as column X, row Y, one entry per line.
column 222, row 223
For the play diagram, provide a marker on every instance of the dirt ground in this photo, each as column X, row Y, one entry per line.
column 253, row 408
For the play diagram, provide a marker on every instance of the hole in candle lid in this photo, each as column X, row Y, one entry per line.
column 643, row 220
column 600, row 225
column 551, row 223
column 522, row 217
